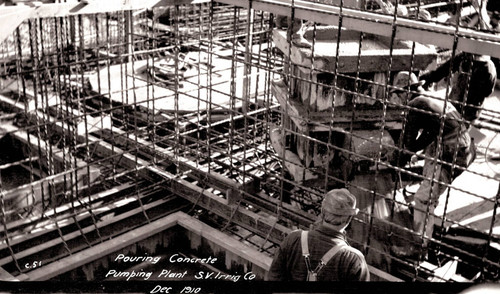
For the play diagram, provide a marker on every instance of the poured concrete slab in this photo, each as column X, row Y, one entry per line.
column 131, row 84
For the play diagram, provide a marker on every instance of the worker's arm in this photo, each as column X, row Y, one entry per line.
column 422, row 124
column 363, row 273
column 354, row 265
column 443, row 70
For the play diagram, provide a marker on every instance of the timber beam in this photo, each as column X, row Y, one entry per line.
column 95, row 233
column 257, row 261
column 65, row 209
column 440, row 35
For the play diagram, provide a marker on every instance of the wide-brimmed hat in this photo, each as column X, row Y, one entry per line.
column 404, row 80
column 339, row 202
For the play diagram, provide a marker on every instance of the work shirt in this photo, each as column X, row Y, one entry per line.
column 425, row 115
column 289, row 264
column 423, row 128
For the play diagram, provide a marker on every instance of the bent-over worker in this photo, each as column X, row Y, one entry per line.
column 422, row 130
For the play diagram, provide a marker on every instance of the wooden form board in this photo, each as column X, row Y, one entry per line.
column 114, row 225
column 376, row 54
column 60, row 211
column 100, row 250
column 232, row 247
column 340, row 118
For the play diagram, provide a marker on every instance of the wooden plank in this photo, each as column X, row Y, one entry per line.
column 378, row 275
column 6, row 276
column 228, row 243
column 66, row 207
column 75, row 234
column 342, row 117
column 375, row 55
column 57, row 215
column 103, row 249
column 238, row 215
column 116, row 244
column 406, row 29
column 109, row 228
column 287, row 211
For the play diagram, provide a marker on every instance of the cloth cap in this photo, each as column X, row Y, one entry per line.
column 339, row 202
column 403, row 79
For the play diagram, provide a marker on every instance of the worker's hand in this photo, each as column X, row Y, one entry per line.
column 426, row 84
column 426, row 80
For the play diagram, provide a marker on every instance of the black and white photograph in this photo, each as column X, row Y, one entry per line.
column 250, row 146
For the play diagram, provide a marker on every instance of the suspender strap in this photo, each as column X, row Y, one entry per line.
column 324, row 260
column 303, row 242
column 328, row 256
column 305, row 249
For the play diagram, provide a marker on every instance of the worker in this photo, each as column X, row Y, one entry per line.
column 322, row 254
column 473, row 76
column 473, row 80
column 422, row 130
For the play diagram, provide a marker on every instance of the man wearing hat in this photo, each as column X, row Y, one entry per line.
column 427, row 116
column 322, row 253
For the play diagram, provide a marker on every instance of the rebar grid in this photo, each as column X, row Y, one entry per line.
column 118, row 100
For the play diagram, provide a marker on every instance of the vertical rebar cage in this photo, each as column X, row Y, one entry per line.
column 243, row 114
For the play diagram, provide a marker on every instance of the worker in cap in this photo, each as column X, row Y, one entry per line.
column 405, row 86
column 430, row 120
column 322, row 253
column 405, row 80
column 338, row 208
